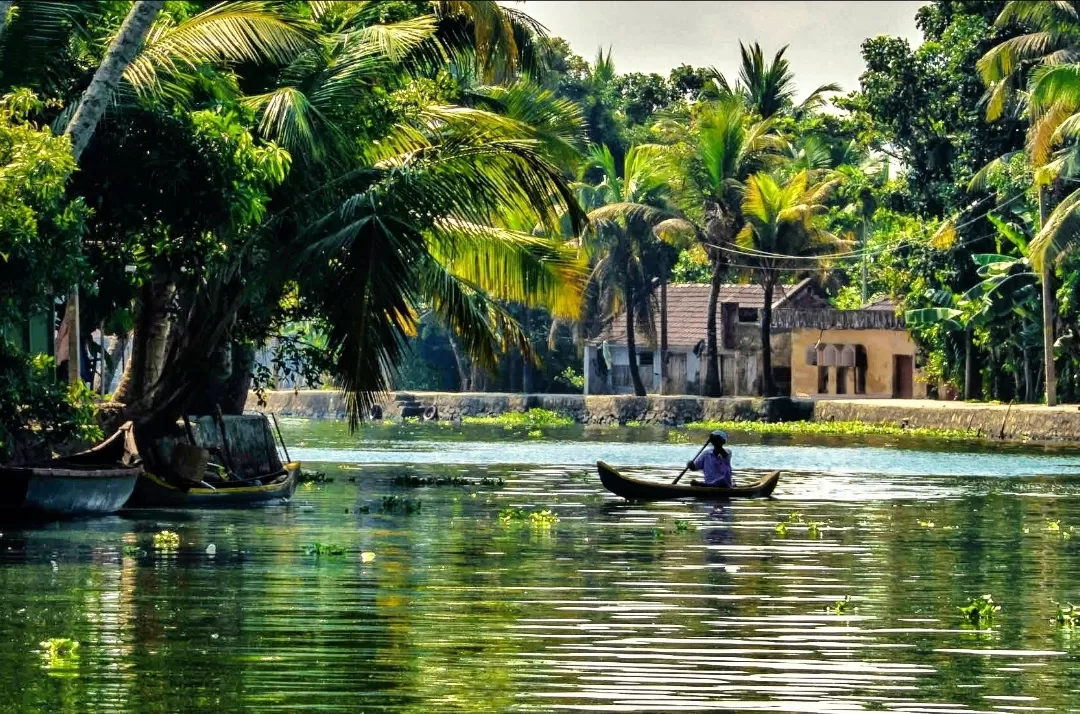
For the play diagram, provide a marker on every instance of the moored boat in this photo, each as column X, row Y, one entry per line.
column 228, row 462
column 636, row 489
column 94, row 482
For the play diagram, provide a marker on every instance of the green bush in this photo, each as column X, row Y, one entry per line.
column 37, row 411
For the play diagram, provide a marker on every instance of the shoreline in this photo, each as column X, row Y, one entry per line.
column 1017, row 422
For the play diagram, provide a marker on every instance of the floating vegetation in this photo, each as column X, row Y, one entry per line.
column 166, row 540
column 400, row 504
column 832, row 428
column 683, row 526
column 794, row 517
column 328, row 549
column 59, row 654
column 926, row 524
column 531, row 419
column 813, row 529
column 535, row 434
column 1053, row 526
column 841, row 606
column 1068, row 616
column 950, row 528
column 781, row 528
column 542, row 517
column 414, row 481
column 132, row 551
column 306, row 476
column 367, row 556
column 980, row 611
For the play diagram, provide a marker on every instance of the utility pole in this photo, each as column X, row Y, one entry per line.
column 865, row 241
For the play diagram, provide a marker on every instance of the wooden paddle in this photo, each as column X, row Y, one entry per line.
column 683, row 472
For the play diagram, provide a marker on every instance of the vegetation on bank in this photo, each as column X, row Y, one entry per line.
column 531, row 419
column 832, row 428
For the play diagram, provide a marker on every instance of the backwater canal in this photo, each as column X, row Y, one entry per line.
column 438, row 605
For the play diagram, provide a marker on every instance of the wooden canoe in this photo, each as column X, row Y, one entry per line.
column 154, row 492
column 635, row 489
column 94, row 482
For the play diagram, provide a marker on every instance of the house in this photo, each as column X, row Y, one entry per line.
column 817, row 351
column 607, row 363
column 852, row 353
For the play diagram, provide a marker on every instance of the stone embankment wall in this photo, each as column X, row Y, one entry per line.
column 1018, row 422
column 593, row 409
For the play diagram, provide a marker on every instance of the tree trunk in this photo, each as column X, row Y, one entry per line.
column 106, row 79
column 459, row 362
column 235, row 389
column 663, row 337
column 1047, row 309
column 1029, row 395
column 148, row 341
column 631, row 347
column 111, row 361
column 768, row 386
column 5, row 8
column 526, row 362
column 713, row 387
column 969, row 375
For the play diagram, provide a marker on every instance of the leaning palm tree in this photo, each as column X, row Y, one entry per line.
column 767, row 88
column 724, row 146
column 627, row 208
column 782, row 233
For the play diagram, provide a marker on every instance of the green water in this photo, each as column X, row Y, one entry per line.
column 616, row 607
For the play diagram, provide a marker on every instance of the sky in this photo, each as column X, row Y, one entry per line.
column 656, row 36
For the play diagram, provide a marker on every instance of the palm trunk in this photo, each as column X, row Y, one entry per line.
column 1047, row 309
column 148, row 342
column 663, row 337
column 5, row 8
column 768, row 386
column 1029, row 392
column 526, row 363
column 631, row 347
column 459, row 362
column 107, row 77
column 713, row 387
column 969, row 372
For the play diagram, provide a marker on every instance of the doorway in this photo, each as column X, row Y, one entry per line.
column 903, row 372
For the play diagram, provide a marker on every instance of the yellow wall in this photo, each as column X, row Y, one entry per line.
column 880, row 345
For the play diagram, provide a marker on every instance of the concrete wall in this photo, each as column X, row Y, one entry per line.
column 880, row 345
column 1018, row 422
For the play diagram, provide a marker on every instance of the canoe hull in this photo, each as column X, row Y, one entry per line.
column 634, row 489
column 92, row 483
column 154, row 492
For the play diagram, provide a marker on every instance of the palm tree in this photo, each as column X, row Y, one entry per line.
column 1046, row 59
column 782, row 233
column 725, row 146
column 767, row 88
column 627, row 208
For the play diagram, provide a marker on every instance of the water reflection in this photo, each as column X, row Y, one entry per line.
column 617, row 607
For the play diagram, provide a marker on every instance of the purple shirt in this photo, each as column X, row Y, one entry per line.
column 717, row 470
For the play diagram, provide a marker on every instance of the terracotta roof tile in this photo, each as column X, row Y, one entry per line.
column 688, row 309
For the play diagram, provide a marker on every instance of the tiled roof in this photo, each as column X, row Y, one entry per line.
column 885, row 304
column 688, row 309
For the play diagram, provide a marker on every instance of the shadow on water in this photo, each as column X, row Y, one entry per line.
column 460, row 602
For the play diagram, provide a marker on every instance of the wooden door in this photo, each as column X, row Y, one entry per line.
column 903, row 377
column 676, row 373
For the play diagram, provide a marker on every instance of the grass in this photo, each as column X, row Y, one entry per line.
column 531, row 419
column 831, row 428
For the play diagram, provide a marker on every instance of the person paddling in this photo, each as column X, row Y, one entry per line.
column 716, row 463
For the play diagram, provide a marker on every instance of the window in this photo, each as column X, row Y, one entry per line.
column 823, row 380
column 841, row 380
column 748, row 314
column 645, row 359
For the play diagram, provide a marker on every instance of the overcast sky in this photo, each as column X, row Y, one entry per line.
column 655, row 36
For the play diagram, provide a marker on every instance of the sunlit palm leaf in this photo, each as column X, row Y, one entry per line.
column 1062, row 227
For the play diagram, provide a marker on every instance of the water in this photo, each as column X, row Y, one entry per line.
column 617, row 607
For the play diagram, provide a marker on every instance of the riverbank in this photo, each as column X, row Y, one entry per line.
column 1022, row 422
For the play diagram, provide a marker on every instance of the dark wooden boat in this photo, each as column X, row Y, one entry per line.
column 635, row 489
column 94, row 482
column 154, row 492
column 224, row 462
